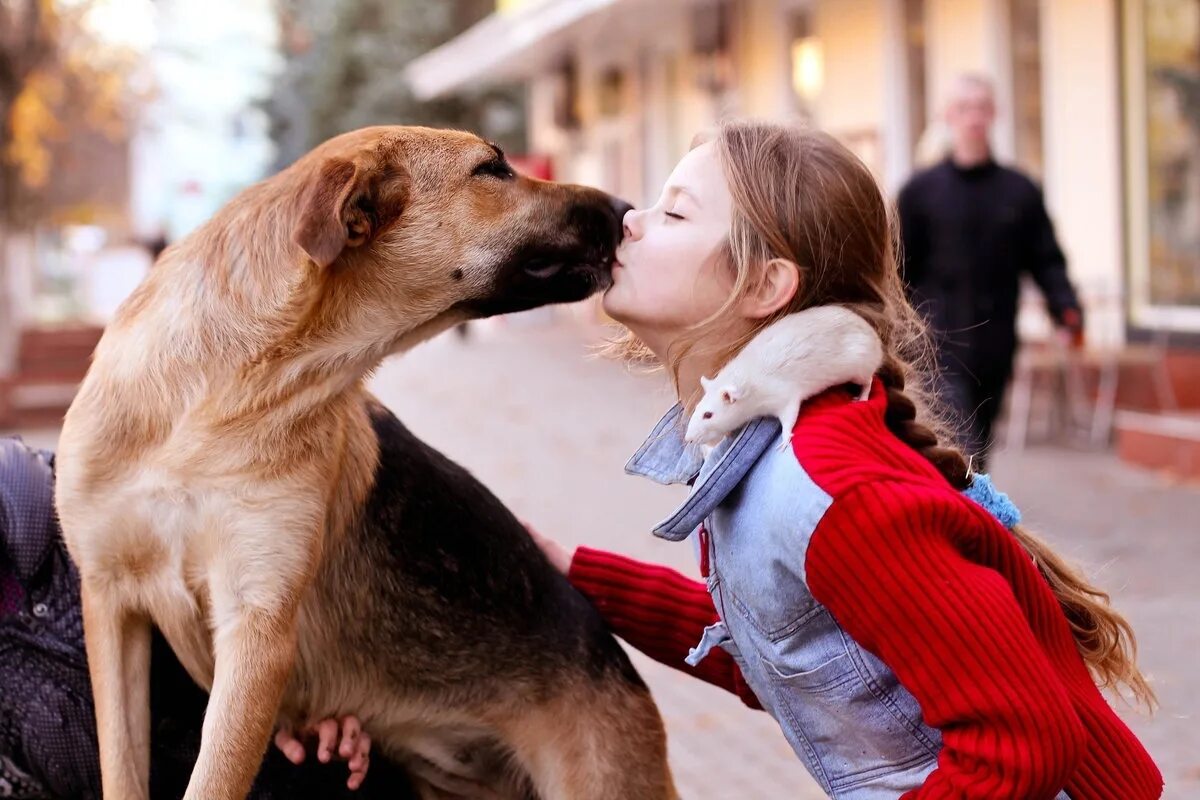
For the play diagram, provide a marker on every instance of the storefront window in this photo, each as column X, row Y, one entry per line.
column 1163, row 123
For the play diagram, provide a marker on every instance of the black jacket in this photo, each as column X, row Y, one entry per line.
column 969, row 234
column 47, row 721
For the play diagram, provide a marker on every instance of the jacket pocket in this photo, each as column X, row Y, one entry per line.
column 851, row 737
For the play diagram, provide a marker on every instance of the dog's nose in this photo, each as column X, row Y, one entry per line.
column 620, row 207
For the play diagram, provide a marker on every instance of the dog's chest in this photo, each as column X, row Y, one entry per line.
column 228, row 542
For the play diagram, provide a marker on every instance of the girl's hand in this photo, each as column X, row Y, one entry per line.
column 355, row 746
column 559, row 555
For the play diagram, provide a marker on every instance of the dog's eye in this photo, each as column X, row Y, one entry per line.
column 708, row 415
column 495, row 168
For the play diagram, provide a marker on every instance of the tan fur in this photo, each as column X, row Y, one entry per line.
column 576, row 742
column 219, row 444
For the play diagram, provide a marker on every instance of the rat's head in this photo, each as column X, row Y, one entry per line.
column 717, row 414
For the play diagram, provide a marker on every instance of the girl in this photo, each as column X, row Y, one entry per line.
column 909, row 643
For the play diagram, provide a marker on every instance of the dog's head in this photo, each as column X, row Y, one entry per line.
column 419, row 225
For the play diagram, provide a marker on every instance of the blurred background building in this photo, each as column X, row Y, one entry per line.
column 1100, row 99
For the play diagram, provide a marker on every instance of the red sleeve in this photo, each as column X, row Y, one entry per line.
column 883, row 562
column 659, row 612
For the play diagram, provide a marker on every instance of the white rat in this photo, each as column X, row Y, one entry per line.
column 793, row 359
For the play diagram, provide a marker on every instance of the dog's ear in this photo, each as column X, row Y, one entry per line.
column 347, row 205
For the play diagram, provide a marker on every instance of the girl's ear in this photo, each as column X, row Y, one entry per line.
column 781, row 281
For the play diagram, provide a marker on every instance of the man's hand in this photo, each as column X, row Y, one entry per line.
column 355, row 745
column 1072, row 322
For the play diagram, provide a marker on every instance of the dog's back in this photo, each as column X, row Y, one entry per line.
column 437, row 605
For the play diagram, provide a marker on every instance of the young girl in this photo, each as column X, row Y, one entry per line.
column 908, row 642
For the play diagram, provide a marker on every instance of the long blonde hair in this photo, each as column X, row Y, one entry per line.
column 801, row 196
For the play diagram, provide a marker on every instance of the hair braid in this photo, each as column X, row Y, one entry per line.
column 1104, row 637
column 902, row 420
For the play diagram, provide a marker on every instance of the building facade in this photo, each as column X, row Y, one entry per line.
column 1099, row 99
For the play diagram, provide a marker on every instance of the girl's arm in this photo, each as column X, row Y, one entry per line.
column 658, row 611
column 883, row 564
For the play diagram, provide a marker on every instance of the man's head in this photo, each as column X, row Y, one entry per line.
column 970, row 112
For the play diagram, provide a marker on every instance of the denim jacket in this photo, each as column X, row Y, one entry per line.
column 856, row 728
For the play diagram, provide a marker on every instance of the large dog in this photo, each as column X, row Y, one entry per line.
column 223, row 475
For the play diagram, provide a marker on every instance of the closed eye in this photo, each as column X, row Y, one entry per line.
column 673, row 215
column 494, row 168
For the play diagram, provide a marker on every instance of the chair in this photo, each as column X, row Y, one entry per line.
column 1076, row 414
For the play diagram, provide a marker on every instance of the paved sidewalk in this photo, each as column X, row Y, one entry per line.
column 549, row 430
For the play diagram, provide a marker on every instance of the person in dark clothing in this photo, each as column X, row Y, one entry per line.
column 971, row 227
column 48, row 748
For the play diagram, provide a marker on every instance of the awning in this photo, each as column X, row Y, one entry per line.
column 501, row 47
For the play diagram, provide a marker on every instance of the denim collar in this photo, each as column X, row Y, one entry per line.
column 666, row 458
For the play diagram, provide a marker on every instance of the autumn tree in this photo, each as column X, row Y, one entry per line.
column 57, row 80
column 344, row 69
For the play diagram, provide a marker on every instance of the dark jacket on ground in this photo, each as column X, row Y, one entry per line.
column 47, row 721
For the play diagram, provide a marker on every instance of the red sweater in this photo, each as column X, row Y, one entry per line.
column 942, row 593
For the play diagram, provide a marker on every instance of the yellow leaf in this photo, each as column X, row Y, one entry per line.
column 33, row 124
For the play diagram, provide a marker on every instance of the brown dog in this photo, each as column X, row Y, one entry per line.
column 223, row 475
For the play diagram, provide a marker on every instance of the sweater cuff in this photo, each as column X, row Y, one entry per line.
column 654, row 608
column 658, row 611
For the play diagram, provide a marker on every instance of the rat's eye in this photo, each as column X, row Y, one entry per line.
column 707, row 415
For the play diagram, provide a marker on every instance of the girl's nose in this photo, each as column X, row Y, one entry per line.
column 633, row 224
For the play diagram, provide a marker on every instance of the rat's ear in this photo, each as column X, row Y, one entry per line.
column 730, row 395
column 705, row 383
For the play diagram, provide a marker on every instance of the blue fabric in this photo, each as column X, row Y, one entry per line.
column 845, row 714
column 26, row 505
column 992, row 500
column 665, row 457
column 724, row 469
column 859, row 732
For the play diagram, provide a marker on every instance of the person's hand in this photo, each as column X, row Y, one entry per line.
column 355, row 745
column 1072, row 322
column 560, row 556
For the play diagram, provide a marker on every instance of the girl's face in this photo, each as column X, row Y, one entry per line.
column 669, row 276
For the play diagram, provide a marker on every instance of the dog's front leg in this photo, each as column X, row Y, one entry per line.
column 118, row 656
column 254, row 586
column 254, row 655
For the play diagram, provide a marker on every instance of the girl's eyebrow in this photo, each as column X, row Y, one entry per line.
column 674, row 189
